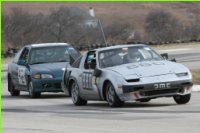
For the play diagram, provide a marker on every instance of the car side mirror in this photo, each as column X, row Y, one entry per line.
column 165, row 56
column 173, row 60
column 97, row 72
column 92, row 64
column 22, row 62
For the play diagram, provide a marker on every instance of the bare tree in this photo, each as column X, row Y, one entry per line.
column 5, row 28
column 162, row 27
column 17, row 27
column 118, row 32
column 192, row 32
column 64, row 24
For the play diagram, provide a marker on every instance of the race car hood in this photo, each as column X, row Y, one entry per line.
column 56, row 69
column 146, row 69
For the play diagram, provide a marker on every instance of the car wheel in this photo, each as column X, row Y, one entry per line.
column 182, row 99
column 11, row 88
column 33, row 94
column 75, row 94
column 111, row 97
column 144, row 100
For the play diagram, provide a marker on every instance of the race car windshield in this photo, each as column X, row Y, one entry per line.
column 52, row 54
column 126, row 55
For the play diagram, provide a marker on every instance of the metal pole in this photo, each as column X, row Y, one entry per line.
column 103, row 34
column 91, row 12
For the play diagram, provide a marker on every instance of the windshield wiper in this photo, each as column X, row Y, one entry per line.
column 61, row 61
column 39, row 62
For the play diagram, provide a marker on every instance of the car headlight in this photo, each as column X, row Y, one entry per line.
column 132, row 78
column 182, row 74
column 37, row 76
column 46, row 76
column 43, row 76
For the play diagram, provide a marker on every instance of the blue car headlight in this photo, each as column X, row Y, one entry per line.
column 46, row 76
column 43, row 76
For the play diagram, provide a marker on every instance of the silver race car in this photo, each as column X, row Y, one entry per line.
column 126, row 72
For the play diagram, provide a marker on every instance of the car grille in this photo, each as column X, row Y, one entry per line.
column 127, row 89
column 51, row 85
column 158, row 92
column 57, row 85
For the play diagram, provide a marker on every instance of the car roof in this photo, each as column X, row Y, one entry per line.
column 118, row 46
column 48, row 45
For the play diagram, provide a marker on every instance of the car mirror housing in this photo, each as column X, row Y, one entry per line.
column 22, row 62
column 173, row 60
column 165, row 56
column 97, row 72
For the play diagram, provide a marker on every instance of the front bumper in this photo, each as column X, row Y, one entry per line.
column 154, row 90
column 47, row 85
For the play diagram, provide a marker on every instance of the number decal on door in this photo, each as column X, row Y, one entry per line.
column 21, row 76
column 87, row 80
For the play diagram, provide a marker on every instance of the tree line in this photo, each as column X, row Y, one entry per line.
column 77, row 27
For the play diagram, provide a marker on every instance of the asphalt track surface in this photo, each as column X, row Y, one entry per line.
column 55, row 113
column 189, row 57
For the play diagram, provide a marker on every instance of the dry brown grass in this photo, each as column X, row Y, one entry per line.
column 177, row 46
column 196, row 76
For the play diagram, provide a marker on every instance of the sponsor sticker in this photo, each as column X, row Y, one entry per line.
column 21, row 76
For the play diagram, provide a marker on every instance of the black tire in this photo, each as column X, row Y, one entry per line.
column 75, row 94
column 33, row 94
column 144, row 100
column 11, row 88
column 111, row 96
column 182, row 99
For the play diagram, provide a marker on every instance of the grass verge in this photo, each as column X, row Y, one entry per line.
column 196, row 76
column 176, row 46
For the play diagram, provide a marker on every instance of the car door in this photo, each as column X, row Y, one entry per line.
column 22, row 70
column 89, row 88
column 67, row 73
column 13, row 68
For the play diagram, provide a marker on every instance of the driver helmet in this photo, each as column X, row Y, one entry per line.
column 134, row 55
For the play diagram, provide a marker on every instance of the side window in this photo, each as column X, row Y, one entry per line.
column 90, row 62
column 16, row 58
column 24, row 55
column 76, row 64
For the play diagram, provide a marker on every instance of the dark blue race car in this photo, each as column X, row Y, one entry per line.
column 39, row 68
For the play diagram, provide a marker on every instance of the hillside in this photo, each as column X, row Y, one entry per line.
column 134, row 13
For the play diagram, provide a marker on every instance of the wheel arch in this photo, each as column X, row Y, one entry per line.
column 8, row 76
column 64, row 79
column 9, row 80
column 104, row 88
column 71, row 81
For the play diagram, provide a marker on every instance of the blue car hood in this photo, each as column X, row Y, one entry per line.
column 55, row 69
